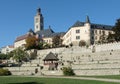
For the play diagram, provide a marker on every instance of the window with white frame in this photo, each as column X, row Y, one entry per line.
column 95, row 31
column 77, row 31
column 77, row 37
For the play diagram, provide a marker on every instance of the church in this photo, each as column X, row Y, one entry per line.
column 88, row 32
column 39, row 31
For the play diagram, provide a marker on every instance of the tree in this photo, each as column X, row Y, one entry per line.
column 82, row 43
column 110, row 38
column 103, row 39
column 3, row 56
column 32, row 42
column 71, row 44
column 57, row 41
column 46, row 45
column 19, row 54
column 40, row 45
column 67, row 71
column 5, row 72
column 32, row 54
column 116, row 30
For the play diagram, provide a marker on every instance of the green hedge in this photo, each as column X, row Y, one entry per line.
column 4, row 72
column 67, row 71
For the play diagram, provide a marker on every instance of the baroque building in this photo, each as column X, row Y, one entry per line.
column 88, row 32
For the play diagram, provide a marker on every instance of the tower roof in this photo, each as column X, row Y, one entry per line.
column 31, row 31
column 38, row 11
column 87, row 19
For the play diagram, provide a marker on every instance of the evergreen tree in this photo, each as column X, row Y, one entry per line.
column 116, row 30
column 110, row 38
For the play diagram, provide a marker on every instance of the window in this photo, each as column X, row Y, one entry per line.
column 92, row 31
column 37, row 26
column 95, row 37
column 77, row 31
column 92, row 38
column 100, row 32
column 95, row 31
column 77, row 37
column 36, row 20
column 103, row 32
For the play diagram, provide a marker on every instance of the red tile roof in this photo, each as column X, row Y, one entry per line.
column 11, row 46
column 21, row 37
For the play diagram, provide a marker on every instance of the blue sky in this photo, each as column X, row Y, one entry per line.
column 17, row 16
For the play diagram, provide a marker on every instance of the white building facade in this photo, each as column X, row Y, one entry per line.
column 85, row 31
column 7, row 49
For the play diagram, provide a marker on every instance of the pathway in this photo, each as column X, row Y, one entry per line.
column 83, row 78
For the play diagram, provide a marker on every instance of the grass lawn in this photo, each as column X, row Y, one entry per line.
column 36, row 80
column 106, row 76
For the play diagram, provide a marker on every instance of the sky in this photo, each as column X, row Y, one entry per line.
column 17, row 16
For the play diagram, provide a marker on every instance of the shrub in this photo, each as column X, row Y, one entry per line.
column 82, row 43
column 67, row 71
column 4, row 72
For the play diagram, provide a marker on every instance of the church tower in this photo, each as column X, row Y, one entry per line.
column 38, row 21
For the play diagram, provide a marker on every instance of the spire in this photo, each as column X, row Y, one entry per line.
column 87, row 19
column 31, row 32
column 49, row 27
column 38, row 11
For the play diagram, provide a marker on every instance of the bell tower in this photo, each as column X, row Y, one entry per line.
column 38, row 21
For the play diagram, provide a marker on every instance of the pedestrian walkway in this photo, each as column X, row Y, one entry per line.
column 82, row 78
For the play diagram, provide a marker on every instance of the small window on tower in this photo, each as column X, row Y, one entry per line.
column 37, row 26
column 36, row 20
